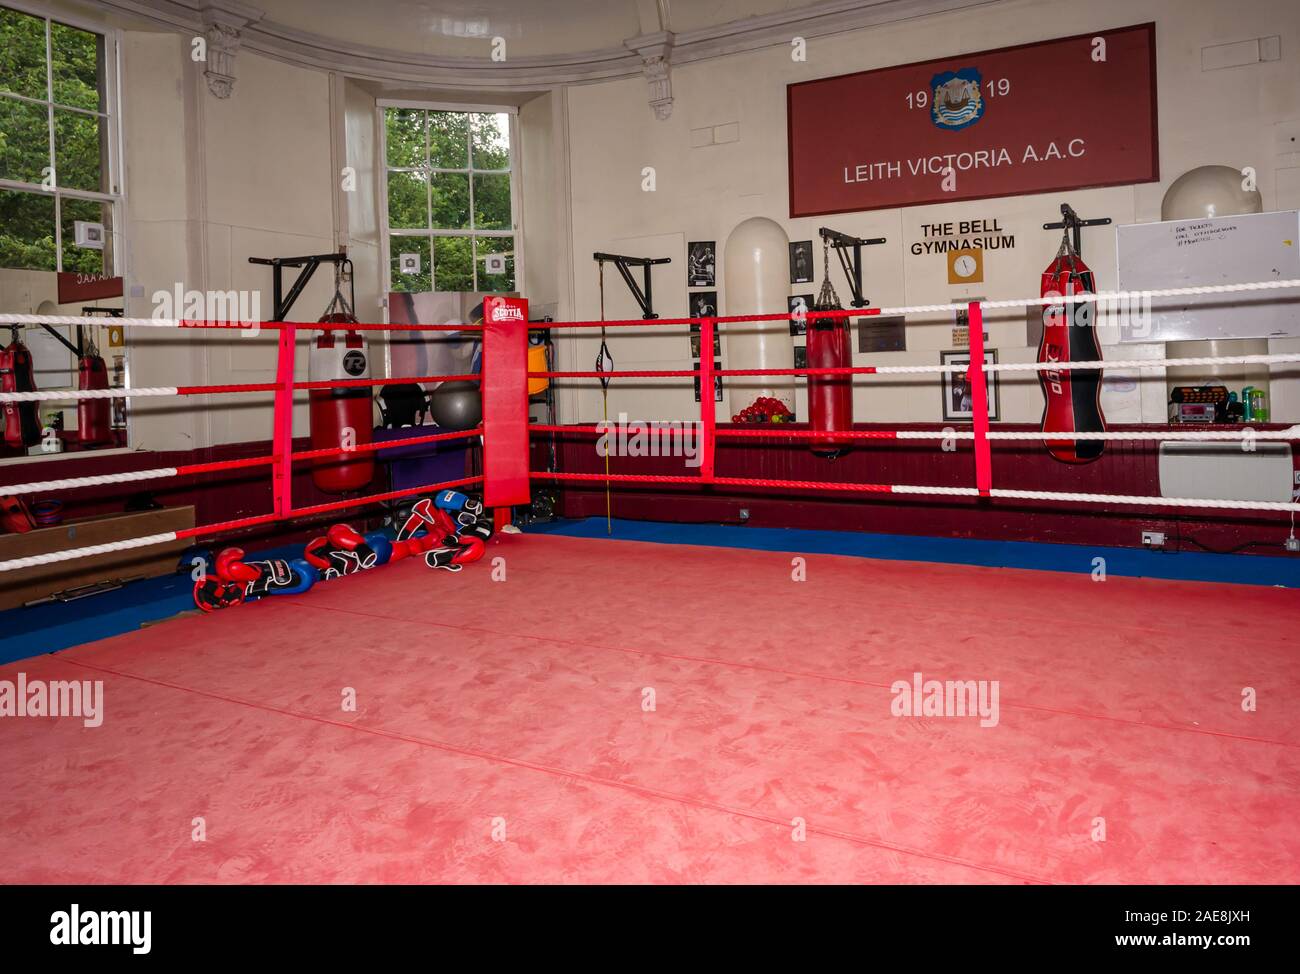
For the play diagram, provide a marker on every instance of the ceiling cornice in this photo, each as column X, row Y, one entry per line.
column 531, row 73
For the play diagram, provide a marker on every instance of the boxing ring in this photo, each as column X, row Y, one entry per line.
column 575, row 710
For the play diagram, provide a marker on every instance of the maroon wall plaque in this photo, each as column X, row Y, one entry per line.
column 1055, row 115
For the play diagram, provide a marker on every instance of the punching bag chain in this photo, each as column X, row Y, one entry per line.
column 827, row 300
column 338, row 303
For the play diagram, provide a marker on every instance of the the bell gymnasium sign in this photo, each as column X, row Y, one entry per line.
column 1063, row 114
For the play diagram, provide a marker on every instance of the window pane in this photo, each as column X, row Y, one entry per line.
column 22, row 54
column 492, row 202
column 27, row 231
column 492, row 141
column 421, row 281
column 24, row 141
column 405, row 135
column 495, row 245
column 79, row 151
column 452, row 266
column 78, row 66
column 87, row 260
column 408, row 201
column 449, row 140
column 450, row 200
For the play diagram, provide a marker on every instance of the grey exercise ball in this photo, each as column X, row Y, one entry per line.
column 456, row 405
column 1207, row 192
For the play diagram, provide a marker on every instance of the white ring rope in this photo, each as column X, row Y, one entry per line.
column 1245, row 434
column 1051, row 495
column 934, row 491
column 67, row 394
column 73, row 482
column 1091, row 298
column 1136, row 363
column 96, row 549
column 231, row 325
column 54, row 557
column 58, row 394
column 1172, row 292
column 1232, row 505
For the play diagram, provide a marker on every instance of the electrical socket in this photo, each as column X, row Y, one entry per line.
column 1293, row 544
column 1153, row 539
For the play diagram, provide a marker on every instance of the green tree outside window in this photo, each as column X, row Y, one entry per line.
column 449, row 198
column 53, row 139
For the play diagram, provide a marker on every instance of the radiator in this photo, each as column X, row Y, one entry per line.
column 1225, row 471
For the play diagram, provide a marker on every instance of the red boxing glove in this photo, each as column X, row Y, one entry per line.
column 317, row 553
column 343, row 536
column 471, row 550
column 231, row 567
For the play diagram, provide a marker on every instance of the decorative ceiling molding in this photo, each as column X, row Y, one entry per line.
column 224, row 21
column 655, row 51
column 531, row 73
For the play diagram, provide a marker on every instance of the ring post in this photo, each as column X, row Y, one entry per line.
column 506, row 480
column 979, row 400
column 708, row 415
column 282, row 435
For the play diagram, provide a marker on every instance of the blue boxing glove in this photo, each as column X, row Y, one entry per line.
column 456, row 503
column 465, row 511
column 274, row 576
column 381, row 546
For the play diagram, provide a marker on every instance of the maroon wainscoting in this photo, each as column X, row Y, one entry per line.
column 1125, row 468
column 217, row 497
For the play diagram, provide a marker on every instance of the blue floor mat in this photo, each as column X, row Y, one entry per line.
column 48, row 628
column 1131, row 562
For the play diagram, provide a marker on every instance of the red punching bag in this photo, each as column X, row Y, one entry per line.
column 340, row 417
column 22, row 429
column 94, row 416
column 1072, row 397
column 830, row 397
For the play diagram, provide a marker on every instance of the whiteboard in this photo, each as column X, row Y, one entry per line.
column 1222, row 250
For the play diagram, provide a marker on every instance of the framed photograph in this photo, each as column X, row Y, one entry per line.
column 695, row 342
column 801, row 262
column 701, row 263
column 702, row 304
column 801, row 356
column 717, row 385
column 956, row 386
column 800, row 305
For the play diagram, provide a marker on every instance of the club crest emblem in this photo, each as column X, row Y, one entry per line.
column 958, row 100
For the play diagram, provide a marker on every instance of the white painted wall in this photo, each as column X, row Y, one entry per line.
column 1229, row 116
column 210, row 183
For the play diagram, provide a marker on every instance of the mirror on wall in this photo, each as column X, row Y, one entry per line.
column 65, row 357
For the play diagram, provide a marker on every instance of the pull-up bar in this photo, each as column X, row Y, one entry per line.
column 852, row 265
column 644, row 298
